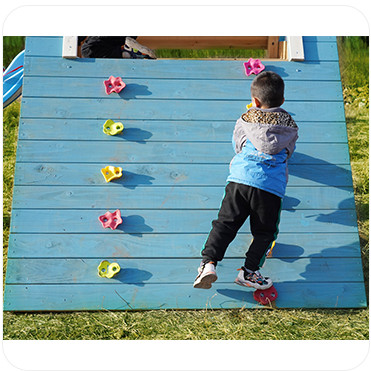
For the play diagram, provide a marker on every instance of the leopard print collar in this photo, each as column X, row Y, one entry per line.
column 257, row 116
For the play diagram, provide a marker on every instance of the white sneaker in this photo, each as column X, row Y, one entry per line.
column 253, row 279
column 136, row 47
column 206, row 276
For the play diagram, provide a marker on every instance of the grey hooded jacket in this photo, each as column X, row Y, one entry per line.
column 263, row 140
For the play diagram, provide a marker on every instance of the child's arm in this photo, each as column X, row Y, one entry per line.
column 292, row 146
column 239, row 137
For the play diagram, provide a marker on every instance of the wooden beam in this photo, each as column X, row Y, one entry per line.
column 273, row 46
column 69, row 47
column 204, row 42
column 295, row 49
column 282, row 50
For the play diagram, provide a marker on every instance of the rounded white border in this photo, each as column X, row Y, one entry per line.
column 142, row 19
column 176, row 20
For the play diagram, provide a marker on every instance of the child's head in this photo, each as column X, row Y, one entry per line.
column 267, row 90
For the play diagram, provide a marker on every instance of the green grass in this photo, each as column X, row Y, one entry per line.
column 12, row 45
column 208, row 324
column 10, row 136
column 353, row 56
column 354, row 68
column 235, row 324
column 210, row 53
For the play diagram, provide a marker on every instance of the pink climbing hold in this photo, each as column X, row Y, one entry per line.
column 111, row 220
column 266, row 296
column 114, row 84
column 253, row 66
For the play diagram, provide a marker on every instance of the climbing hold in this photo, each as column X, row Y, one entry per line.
column 107, row 269
column 111, row 172
column 266, row 296
column 114, row 85
column 253, row 66
column 249, row 106
column 112, row 128
column 111, row 220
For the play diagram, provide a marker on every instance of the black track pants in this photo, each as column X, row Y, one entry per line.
column 241, row 201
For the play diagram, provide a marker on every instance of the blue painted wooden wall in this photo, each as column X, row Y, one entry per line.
column 175, row 150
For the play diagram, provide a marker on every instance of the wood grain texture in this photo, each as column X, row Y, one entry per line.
column 138, row 175
column 177, row 69
column 179, row 245
column 155, row 271
column 52, row 46
column 273, row 46
column 164, row 198
column 204, row 42
column 164, row 110
column 178, row 296
column 171, row 89
column 165, row 131
column 170, row 221
column 175, row 151
column 164, row 152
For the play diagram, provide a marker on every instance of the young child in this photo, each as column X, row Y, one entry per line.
column 264, row 139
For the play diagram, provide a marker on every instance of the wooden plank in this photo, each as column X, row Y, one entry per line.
column 162, row 110
column 174, row 89
column 295, row 49
column 55, row 212
column 163, row 152
column 282, row 50
column 137, row 175
column 170, row 221
column 321, row 51
column 44, row 45
column 273, row 46
column 319, row 39
column 169, row 131
column 155, row 271
column 162, row 198
column 151, row 245
column 129, row 297
column 180, row 69
column 49, row 46
column 52, row 46
column 70, row 45
column 204, row 42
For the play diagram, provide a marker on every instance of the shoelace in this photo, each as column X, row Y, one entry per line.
column 254, row 276
column 258, row 277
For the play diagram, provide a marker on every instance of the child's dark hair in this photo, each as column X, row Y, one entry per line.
column 269, row 88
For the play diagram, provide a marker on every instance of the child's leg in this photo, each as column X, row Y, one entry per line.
column 264, row 221
column 232, row 214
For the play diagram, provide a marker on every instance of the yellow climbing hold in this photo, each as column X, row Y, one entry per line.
column 269, row 252
column 107, row 269
column 112, row 128
column 249, row 106
column 111, row 172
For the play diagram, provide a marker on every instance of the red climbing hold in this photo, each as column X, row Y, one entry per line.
column 266, row 296
column 111, row 220
column 114, row 85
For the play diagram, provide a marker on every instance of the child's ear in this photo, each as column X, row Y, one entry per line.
column 255, row 102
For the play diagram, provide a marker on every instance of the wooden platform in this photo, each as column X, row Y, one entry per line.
column 175, row 150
